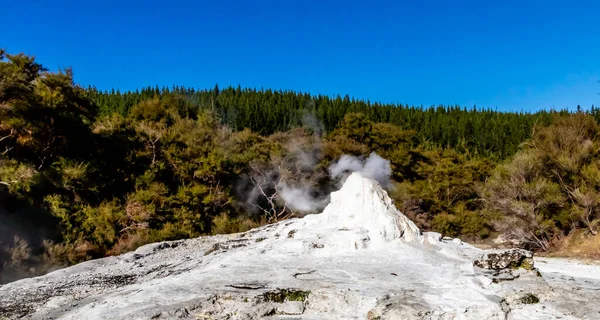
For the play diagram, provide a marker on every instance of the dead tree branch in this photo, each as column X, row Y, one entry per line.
column 12, row 131
column 268, row 188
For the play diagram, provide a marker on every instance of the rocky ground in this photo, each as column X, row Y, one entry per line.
column 359, row 259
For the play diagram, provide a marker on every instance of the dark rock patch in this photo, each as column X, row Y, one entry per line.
column 529, row 298
column 513, row 259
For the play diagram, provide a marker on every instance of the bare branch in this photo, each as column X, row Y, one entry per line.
column 8, row 183
column 8, row 136
column 6, row 150
column 268, row 188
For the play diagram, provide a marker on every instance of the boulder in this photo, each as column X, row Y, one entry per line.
column 503, row 259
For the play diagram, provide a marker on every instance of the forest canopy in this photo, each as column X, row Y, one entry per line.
column 87, row 173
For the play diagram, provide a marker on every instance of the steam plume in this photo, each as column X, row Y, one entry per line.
column 302, row 199
column 374, row 166
column 296, row 181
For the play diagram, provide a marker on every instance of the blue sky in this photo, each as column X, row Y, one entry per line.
column 509, row 55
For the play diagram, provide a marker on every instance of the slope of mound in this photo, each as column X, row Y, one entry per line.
column 359, row 259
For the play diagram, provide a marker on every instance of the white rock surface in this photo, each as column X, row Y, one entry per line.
column 359, row 259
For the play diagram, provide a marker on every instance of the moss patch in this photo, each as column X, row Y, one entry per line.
column 282, row 295
column 526, row 264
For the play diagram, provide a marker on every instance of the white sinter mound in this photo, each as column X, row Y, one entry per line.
column 359, row 259
column 362, row 205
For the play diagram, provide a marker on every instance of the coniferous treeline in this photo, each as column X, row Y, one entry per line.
column 483, row 131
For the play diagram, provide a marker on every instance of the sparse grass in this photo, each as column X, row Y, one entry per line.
column 130, row 243
column 579, row 244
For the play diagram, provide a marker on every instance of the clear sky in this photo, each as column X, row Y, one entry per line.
column 511, row 55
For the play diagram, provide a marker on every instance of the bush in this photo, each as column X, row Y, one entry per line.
column 467, row 223
column 551, row 185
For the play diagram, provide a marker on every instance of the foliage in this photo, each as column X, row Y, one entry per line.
column 550, row 187
column 444, row 195
column 268, row 111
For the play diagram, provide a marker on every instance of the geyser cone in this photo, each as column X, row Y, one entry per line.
column 362, row 203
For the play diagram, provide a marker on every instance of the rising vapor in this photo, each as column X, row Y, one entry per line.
column 374, row 166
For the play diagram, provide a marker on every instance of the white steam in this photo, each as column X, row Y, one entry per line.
column 378, row 168
column 297, row 183
column 374, row 167
column 301, row 199
column 345, row 164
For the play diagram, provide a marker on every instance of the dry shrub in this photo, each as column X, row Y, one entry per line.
column 20, row 252
column 568, row 143
column 17, row 261
column 223, row 224
column 130, row 242
column 523, row 196
column 137, row 216
column 64, row 254
column 551, row 186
